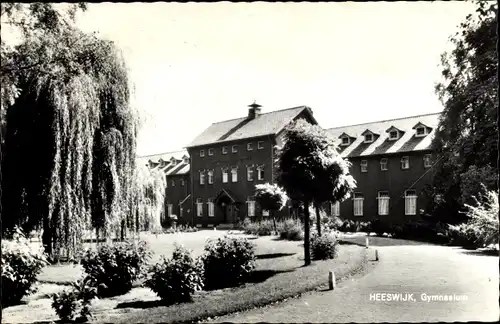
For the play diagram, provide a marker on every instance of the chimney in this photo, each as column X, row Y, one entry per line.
column 254, row 111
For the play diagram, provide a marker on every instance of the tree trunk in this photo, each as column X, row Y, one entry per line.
column 271, row 213
column 318, row 221
column 307, row 230
column 122, row 233
column 47, row 237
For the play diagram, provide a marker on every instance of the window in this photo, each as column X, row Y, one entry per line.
column 210, row 176
column 260, row 173
column 427, row 161
column 199, row 207
column 410, row 202
column 234, row 175
column 202, row 177
column 345, row 140
column 368, row 138
column 405, row 162
column 211, row 211
column 249, row 147
column 393, row 135
column 234, row 148
column 210, row 151
column 265, row 212
column 383, row 164
column 169, row 209
column 202, row 153
column 225, row 176
column 335, row 209
column 364, row 166
column 224, row 150
column 358, row 204
column 250, row 173
column 182, row 182
column 172, row 183
column 421, row 131
column 383, row 203
column 260, row 145
column 251, row 206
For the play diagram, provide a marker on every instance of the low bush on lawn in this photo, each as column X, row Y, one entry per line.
column 324, row 247
column 291, row 230
column 462, row 235
column 333, row 223
column 21, row 264
column 380, row 227
column 180, row 229
column 350, row 226
column 77, row 300
column 175, row 280
column 420, row 231
column 115, row 267
column 262, row 228
column 227, row 262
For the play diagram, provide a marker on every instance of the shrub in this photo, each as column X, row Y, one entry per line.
column 379, row 227
column 115, row 267
column 364, row 227
column 462, row 235
column 21, row 265
column 291, row 230
column 261, row 228
column 420, row 230
column 175, row 280
column 483, row 219
column 334, row 223
column 324, row 247
column 348, row 226
column 227, row 262
column 67, row 302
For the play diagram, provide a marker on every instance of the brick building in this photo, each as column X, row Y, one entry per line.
column 212, row 182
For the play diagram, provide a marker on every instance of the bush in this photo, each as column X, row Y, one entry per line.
column 324, row 247
column 380, row 227
column 261, row 228
column 462, row 235
column 116, row 267
column 67, row 302
column 364, row 227
column 421, row 231
column 483, row 219
column 227, row 262
column 334, row 223
column 175, row 280
column 348, row 226
column 291, row 230
column 21, row 265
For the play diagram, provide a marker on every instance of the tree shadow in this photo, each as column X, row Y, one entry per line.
column 492, row 253
column 262, row 275
column 144, row 304
column 273, row 255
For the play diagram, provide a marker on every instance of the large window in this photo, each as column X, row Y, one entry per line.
column 202, row 177
column 170, row 209
column 225, row 176
column 250, row 173
column 251, row 206
column 199, row 207
column 364, row 166
column 405, row 162
column 358, row 204
column 234, row 175
column 335, row 209
column 260, row 173
column 427, row 161
column 211, row 209
column 410, row 202
column 211, row 176
column 383, row 203
column 383, row 164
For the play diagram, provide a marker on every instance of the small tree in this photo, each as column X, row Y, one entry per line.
column 272, row 198
column 310, row 169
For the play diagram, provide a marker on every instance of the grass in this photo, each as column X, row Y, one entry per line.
column 280, row 274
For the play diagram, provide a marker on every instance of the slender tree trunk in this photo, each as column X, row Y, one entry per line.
column 271, row 213
column 122, row 234
column 307, row 230
column 318, row 221
column 47, row 236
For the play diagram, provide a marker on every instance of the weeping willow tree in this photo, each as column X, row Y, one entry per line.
column 70, row 143
column 148, row 199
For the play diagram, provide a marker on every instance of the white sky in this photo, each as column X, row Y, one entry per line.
column 197, row 63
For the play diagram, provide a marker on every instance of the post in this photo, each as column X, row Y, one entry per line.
column 376, row 255
column 366, row 243
column 331, row 280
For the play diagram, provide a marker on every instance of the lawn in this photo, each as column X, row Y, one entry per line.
column 280, row 274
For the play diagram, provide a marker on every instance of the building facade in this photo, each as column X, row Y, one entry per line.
column 212, row 182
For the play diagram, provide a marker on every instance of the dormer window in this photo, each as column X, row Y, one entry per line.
column 173, row 161
column 185, row 159
column 393, row 135
column 345, row 140
column 421, row 131
column 368, row 138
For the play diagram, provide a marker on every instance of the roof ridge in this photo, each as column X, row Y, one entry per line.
column 269, row 112
column 383, row 121
column 143, row 156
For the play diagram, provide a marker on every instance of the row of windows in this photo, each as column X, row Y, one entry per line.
column 383, row 203
column 394, row 134
column 172, row 182
column 234, row 149
column 251, row 170
column 211, row 207
column 405, row 163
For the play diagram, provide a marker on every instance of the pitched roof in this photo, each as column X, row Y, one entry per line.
column 270, row 123
column 407, row 141
column 168, row 168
